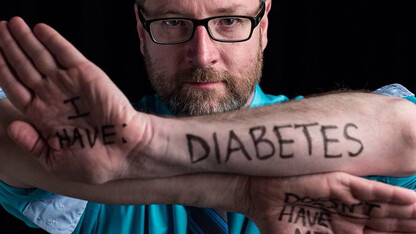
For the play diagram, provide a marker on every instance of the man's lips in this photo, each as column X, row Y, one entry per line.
column 204, row 85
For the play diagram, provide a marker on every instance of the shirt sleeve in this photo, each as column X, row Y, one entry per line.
column 39, row 208
column 394, row 90
column 2, row 94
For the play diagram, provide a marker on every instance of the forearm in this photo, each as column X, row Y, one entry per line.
column 18, row 169
column 204, row 190
column 227, row 192
column 340, row 132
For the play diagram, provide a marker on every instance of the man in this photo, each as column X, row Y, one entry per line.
column 94, row 135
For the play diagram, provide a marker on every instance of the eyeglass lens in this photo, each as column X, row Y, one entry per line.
column 179, row 30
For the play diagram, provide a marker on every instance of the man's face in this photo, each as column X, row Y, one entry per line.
column 203, row 76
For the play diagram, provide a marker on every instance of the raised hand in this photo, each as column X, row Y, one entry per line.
column 330, row 203
column 81, row 120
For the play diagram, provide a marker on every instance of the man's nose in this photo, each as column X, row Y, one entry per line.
column 202, row 51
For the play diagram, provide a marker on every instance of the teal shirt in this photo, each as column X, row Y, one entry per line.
column 57, row 213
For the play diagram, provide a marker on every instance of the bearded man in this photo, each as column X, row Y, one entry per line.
column 77, row 135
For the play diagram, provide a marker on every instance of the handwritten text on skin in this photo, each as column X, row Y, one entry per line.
column 200, row 148
column 86, row 137
column 317, row 212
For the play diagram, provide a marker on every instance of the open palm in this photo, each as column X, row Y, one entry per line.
column 330, row 203
column 80, row 118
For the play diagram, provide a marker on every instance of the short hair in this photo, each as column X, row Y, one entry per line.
column 140, row 3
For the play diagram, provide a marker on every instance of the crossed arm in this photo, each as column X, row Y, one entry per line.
column 329, row 133
column 59, row 91
column 267, row 201
column 85, row 122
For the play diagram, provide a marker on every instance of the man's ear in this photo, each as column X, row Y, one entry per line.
column 139, row 26
column 264, row 24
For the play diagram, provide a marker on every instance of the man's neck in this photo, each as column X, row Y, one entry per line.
column 249, row 100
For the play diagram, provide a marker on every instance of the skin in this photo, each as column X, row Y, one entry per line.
column 201, row 51
column 235, row 66
column 165, row 62
column 147, row 152
column 71, row 69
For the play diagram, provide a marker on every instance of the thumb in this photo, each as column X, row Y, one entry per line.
column 28, row 138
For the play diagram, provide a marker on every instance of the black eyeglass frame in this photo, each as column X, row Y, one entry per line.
column 204, row 22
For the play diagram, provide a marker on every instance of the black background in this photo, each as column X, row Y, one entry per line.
column 314, row 46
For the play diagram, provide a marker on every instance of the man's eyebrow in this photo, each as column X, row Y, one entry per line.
column 229, row 10
column 161, row 12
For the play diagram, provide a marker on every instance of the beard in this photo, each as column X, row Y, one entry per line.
column 184, row 101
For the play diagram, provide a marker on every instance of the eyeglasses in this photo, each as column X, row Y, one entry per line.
column 232, row 28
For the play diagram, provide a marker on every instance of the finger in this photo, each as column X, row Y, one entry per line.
column 66, row 54
column 20, row 63
column 396, row 211
column 393, row 225
column 368, row 230
column 27, row 138
column 37, row 52
column 16, row 92
column 386, row 210
column 367, row 190
column 371, row 231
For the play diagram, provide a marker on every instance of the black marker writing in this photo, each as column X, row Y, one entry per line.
column 311, row 212
column 192, row 139
column 64, row 138
column 240, row 146
column 217, row 148
column 83, row 136
column 78, row 113
column 348, row 137
column 123, row 140
column 261, row 139
column 92, row 139
column 297, row 231
column 332, row 206
column 107, row 134
column 264, row 146
column 307, row 134
column 305, row 216
column 76, row 136
column 282, row 141
column 329, row 140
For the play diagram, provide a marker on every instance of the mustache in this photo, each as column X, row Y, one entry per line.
column 202, row 75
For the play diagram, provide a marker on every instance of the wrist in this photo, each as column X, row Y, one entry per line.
column 157, row 151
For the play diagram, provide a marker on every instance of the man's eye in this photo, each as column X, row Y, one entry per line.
column 229, row 21
column 172, row 22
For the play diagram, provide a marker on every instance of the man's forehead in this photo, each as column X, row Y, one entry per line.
column 192, row 8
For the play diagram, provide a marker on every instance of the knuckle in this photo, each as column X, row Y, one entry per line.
column 21, row 64
column 6, row 41
column 51, row 38
column 24, row 36
column 3, row 66
column 37, row 52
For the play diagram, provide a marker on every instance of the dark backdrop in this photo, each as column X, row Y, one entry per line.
column 314, row 46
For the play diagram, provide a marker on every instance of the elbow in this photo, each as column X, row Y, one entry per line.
column 406, row 117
